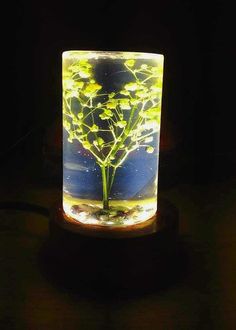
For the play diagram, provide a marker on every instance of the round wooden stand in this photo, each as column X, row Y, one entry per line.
column 131, row 257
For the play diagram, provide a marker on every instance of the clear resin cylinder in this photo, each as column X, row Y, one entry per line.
column 111, row 129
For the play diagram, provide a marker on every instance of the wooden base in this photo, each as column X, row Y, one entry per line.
column 132, row 259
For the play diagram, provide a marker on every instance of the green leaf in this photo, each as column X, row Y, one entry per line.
column 74, row 68
column 83, row 136
column 103, row 116
column 111, row 95
column 142, row 94
column 85, row 63
column 132, row 86
column 108, row 112
column 142, row 114
column 130, row 63
column 154, row 113
column 149, row 150
column 94, row 128
column 80, row 115
column 144, row 66
column 124, row 92
column 151, row 113
column 91, row 89
column 86, row 145
column 135, row 101
column 124, row 104
column 100, row 141
column 111, row 104
column 121, row 123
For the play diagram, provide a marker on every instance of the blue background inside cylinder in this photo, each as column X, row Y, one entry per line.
column 82, row 176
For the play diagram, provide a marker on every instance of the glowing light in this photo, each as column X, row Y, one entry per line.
column 111, row 126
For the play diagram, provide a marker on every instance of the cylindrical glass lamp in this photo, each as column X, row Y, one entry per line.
column 111, row 129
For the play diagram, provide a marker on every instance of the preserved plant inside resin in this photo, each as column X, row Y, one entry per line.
column 111, row 128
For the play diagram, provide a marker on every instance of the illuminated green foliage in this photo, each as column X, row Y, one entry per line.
column 130, row 63
column 150, row 149
column 121, row 123
column 112, row 125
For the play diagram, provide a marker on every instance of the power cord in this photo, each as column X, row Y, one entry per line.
column 24, row 206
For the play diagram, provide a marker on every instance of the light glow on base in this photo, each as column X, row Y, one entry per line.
column 89, row 212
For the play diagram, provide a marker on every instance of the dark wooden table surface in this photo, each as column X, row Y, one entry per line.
column 203, row 297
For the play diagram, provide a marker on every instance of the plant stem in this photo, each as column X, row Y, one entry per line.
column 104, row 188
column 112, row 179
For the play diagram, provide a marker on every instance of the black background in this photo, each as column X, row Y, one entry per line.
column 196, row 38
